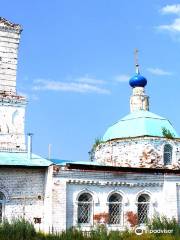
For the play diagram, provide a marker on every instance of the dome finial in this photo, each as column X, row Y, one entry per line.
column 136, row 60
column 137, row 80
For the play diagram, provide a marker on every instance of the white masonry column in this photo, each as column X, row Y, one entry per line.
column 9, row 44
column 12, row 106
column 139, row 100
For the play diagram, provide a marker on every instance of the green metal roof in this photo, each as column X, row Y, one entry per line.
column 21, row 159
column 139, row 123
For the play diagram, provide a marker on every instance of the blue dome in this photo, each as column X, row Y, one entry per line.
column 138, row 81
column 139, row 123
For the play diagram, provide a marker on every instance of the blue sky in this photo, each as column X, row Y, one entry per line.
column 75, row 59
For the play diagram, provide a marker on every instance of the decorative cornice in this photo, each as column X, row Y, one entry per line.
column 140, row 138
column 9, row 26
column 114, row 184
column 10, row 99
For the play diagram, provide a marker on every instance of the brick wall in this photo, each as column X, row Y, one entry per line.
column 139, row 152
column 24, row 192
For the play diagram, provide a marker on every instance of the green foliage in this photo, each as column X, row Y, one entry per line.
column 167, row 133
column 20, row 229
column 97, row 142
column 164, row 223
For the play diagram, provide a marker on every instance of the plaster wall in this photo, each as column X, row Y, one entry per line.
column 69, row 185
column 24, row 190
column 139, row 152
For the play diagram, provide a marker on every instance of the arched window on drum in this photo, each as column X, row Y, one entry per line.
column 167, row 154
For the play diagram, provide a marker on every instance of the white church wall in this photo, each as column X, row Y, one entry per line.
column 12, row 118
column 24, row 192
column 102, row 206
column 48, row 199
column 170, row 196
column 59, row 201
column 69, row 184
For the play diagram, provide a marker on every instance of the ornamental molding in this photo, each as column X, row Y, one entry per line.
column 86, row 190
column 114, row 184
column 10, row 102
column 124, row 196
column 8, row 26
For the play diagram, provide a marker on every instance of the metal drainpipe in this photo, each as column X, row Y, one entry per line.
column 29, row 150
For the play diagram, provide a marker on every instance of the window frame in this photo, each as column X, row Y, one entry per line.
column 143, row 203
column 90, row 222
column 167, row 161
column 120, row 203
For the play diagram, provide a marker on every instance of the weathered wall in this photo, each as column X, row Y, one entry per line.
column 139, row 152
column 139, row 100
column 24, row 192
column 12, row 119
column 12, row 106
column 9, row 43
column 69, row 184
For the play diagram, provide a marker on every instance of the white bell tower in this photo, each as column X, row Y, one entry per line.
column 12, row 106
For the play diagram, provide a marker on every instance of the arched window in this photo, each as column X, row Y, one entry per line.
column 84, row 208
column 143, row 208
column 115, row 208
column 167, row 154
column 2, row 202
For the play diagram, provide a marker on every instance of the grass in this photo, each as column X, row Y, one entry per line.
column 20, row 229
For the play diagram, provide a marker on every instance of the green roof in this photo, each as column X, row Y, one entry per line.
column 139, row 123
column 21, row 159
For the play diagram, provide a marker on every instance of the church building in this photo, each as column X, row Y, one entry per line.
column 134, row 168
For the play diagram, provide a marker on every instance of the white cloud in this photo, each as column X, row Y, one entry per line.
column 159, row 72
column 122, row 78
column 74, row 86
column 173, row 27
column 171, row 9
column 89, row 80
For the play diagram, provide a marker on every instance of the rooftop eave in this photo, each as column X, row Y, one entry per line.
column 100, row 168
column 141, row 137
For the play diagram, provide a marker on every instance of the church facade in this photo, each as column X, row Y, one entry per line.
column 134, row 168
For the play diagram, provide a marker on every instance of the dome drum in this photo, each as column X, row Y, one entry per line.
column 138, row 152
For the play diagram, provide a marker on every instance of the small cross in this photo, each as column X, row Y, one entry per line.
column 136, row 51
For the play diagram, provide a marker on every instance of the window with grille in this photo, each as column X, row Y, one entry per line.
column 2, row 201
column 84, row 208
column 167, row 154
column 143, row 208
column 115, row 208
